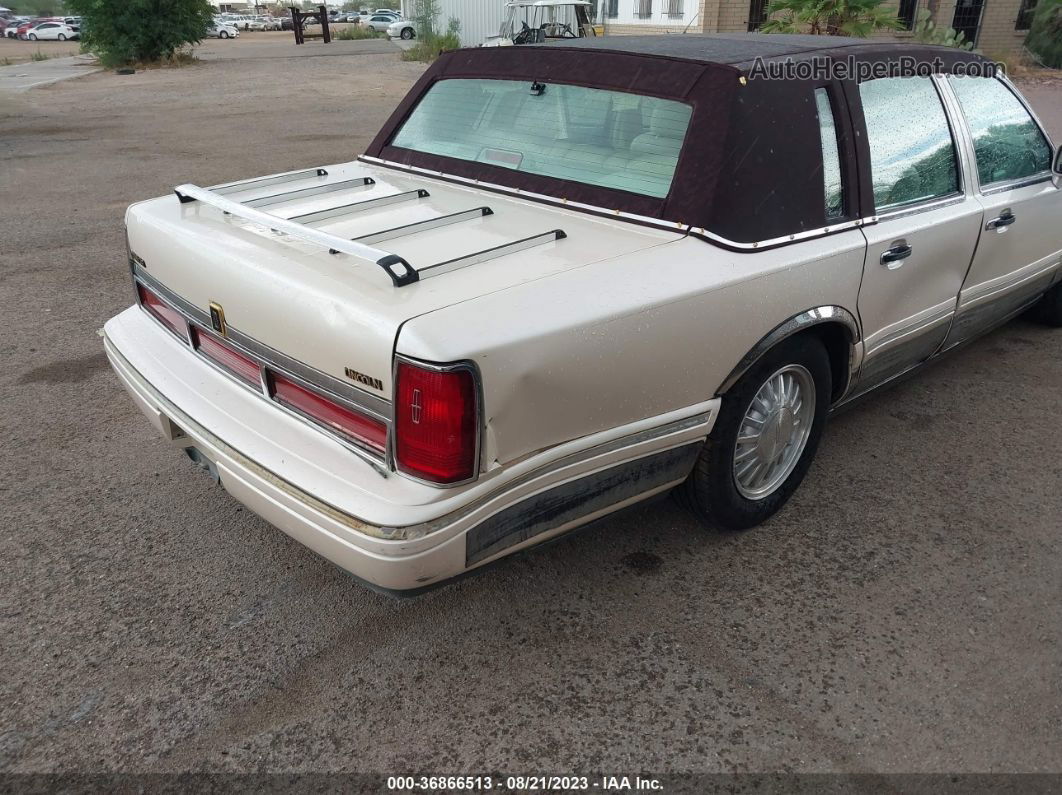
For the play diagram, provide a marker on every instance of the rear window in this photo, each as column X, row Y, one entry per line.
column 609, row 139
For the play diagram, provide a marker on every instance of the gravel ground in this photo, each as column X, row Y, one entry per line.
column 902, row 614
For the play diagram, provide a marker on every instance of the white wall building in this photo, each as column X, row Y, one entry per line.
column 479, row 18
column 649, row 16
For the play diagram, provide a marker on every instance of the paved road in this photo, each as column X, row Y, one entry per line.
column 23, row 77
column 903, row 613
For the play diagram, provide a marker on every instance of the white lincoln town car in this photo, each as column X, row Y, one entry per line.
column 567, row 277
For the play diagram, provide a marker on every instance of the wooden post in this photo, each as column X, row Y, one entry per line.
column 323, row 14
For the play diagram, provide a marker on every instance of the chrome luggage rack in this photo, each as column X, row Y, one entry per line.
column 400, row 271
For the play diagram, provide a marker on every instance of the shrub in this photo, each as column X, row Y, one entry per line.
column 122, row 32
column 354, row 33
column 429, row 42
column 829, row 17
column 1045, row 33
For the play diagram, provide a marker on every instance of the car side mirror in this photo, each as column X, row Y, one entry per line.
column 1058, row 161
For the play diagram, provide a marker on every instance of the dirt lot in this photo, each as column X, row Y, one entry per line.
column 15, row 51
column 902, row 614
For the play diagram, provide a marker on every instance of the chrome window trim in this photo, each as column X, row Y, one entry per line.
column 475, row 183
column 1005, row 185
column 481, row 429
column 937, row 203
column 377, row 459
column 671, row 226
column 1021, row 182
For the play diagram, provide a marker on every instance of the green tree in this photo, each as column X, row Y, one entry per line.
column 829, row 17
column 129, row 31
column 1045, row 33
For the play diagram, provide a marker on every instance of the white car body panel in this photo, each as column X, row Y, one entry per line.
column 602, row 355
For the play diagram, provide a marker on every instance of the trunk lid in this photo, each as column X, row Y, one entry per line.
column 339, row 312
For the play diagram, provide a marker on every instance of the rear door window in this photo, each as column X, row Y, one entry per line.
column 912, row 155
column 1007, row 141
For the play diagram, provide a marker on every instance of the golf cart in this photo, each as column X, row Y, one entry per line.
column 537, row 21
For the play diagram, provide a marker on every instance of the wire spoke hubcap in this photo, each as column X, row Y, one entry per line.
column 774, row 432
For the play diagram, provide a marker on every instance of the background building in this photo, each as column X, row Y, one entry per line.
column 997, row 27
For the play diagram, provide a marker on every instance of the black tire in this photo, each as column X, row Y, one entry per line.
column 62, row 37
column 407, row 33
column 223, row 35
column 711, row 491
column 1048, row 310
column 33, row 37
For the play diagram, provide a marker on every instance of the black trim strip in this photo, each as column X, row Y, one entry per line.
column 576, row 499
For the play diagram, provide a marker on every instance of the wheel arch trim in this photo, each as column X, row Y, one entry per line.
column 802, row 321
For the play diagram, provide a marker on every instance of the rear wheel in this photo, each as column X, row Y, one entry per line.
column 1049, row 308
column 765, row 437
column 407, row 33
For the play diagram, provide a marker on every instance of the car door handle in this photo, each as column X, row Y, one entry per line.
column 893, row 258
column 1003, row 220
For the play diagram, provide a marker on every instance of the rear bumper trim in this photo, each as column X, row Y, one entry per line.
column 419, row 555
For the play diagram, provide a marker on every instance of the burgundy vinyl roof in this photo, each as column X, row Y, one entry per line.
column 751, row 167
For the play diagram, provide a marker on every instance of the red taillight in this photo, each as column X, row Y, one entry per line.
column 164, row 313
column 435, row 423
column 243, row 367
column 346, row 422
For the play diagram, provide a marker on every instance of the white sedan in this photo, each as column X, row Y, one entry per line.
column 53, row 31
column 216, row 31
column 378, row 23
column 402, row 29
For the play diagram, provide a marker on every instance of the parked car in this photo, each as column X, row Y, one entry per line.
column 269, row 23
column 219, row 31
column 378, row 23
column 53, row 31
column 11, row 30
column 23, row 29
column 534, row 302
column 254, row 24
column 286, row 23
column 402, row 29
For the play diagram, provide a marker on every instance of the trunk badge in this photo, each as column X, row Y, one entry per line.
column 217, row 319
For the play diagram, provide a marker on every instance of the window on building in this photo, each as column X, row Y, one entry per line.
column 1025, row 15
column 912, row 156
column 757, row 14
column 967, row 18
column 612, row 9
column 1008, row 144
column 643, row 9
column 833, row 188
column 907, row 12
column 674, row 8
